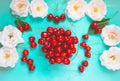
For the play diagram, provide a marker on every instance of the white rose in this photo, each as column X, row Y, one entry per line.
column 20, row 7
column 8, row 57
column 111, row 58
column 76, row 9
column 96, row 10
column 38, row 8
column 111, row 35
column 10, row 36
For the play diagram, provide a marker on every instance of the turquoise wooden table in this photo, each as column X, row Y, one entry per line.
column 46, row 72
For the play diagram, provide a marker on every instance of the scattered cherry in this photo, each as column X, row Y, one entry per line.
column 33, row 44
column 29, row 61
column 85, row 63
column 24, row 59
column 57, row 19
column 25, row 52
column 87, row 48
column 94, row 25
column 31, row 67
column 63, row 17
column 81, row 68
column 83, row 44
column 85, row 36
column 31, row 38
column 50, row 17
column 87, row 54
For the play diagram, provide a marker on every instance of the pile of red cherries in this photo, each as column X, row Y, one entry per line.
column 58, row 45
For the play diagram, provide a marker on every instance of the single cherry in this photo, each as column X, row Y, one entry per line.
column 58, row 60
column 50, row 30
column 50, row 17
column 31, row 67
column 31, row 38
column 66, row 61
column 21, row 28
column 29, row 61
column 94, row 25
column 63, row 17
column 44, row 34
column 67, row 32
column 24, row 59
column 33, row 44
column 26, row 26
column 87, row 48
column 83, row 44
column 41, row 41
column 98, row 30
column 85, row 36
column 85, row 63
column 52, row 60
column 87, row 54
column 81, row 68
column 57, row 19
column 25, row 52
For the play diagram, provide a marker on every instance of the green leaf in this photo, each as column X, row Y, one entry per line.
column 19, row 22
column 101, row 24
column 1, row 45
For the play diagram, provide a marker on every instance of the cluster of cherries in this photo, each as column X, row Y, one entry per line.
column 28, row 61
column 26, row 52
column 58, row 45
column 87, row 53
column 24, row 27
column 57, row 19
column 94, row 25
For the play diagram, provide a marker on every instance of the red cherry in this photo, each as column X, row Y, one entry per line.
column 56, row 19
column 63, row 17
column 87, row 48
column 71, row 46
column 94, row 25
column 41, row 41
column 85, row 36
column 21, row 28
column 63, row 54
column 50, row 30
column 87, row 54
column 25, row 52
column 29, row 61
column 44, row 34
column 73, row 50
column 53, row 42
column 58, row 49
column 66, row 61
column 47, row 39
column 58, row 60
column 24, row 59
column 44, row 49
column 26, row 26
column 85, row 63
column 31, row 67
column 55, row 30
column 50, row 17
column 60, row 38
column 33, row 44
column 47, row 56
column 75, row 39
column 56, row 54
column 67, row 32
column 50, row 53
column 31, row 38
column 62, row 31
column 69, row 51
column 81, row 68
column 52, row 60
column 98, row 30
column 83, row 44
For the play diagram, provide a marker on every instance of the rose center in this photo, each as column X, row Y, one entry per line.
column 112, row 35
column 113, row 57
column 76, row 7
column 96, row 10
column 10, row 35
column 20, row 5
column 38, row 8
column 7, row 56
